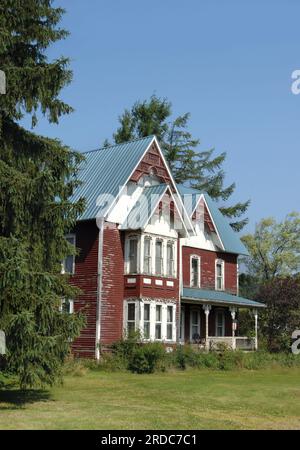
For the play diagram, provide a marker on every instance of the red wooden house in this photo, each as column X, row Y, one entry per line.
column 153, row 256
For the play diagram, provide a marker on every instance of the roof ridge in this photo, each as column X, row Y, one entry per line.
column 116, row 145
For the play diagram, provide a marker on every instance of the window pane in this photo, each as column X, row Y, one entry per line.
column 147, row 312
column 170, row 314
column 147, row 256
column 195, row 317
column 131, row 311
column 130, row 328
column 146, row 330
column 169, row 331
column 158, row 257
column 158, row 331
column 69, row 264
column 158, row 313
column 195, row 272
column 133, row 255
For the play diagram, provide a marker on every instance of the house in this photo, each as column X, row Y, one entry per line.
column 153, row 256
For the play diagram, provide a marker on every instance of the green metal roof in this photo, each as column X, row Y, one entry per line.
column 105, row 171
column 144, row 207
column 218, row 297
column 230, row 239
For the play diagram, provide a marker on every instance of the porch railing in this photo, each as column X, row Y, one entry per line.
column 237, row 342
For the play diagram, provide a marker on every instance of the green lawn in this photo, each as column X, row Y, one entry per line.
column 175, row 400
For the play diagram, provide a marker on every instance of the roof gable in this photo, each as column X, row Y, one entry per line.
column 105, row 171
column 228, row 237
column 147, row 203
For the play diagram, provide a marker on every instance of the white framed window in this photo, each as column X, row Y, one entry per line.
column 147, row 255
column 170, row 323
column 220, row 275
column 159, row 261
column 131, row 318
column 158, row 322
column 194, row 324
column 170, row 259
column 67, row 306
column 181, row 324
column 220, row 323
column 146, row 324
column 133, row 254
column 69, row 262
column 195, row 271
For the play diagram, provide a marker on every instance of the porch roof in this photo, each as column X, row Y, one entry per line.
column 218, row 297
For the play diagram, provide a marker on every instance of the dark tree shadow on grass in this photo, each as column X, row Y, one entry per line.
column 12, row 398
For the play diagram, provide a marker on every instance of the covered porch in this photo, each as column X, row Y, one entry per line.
column 209, row 318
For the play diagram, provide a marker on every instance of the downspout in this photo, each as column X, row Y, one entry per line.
column 180, row 287
column 100, row 223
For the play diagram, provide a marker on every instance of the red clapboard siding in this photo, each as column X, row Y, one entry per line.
column 85, row 278
column 113, row 285
column 208, row 259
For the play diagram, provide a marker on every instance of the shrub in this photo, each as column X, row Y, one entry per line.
column 146, row 358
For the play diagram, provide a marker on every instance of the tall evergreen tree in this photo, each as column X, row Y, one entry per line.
column 37, row 177
column 199, row 169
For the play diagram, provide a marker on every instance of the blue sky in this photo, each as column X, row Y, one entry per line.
column 227, row 63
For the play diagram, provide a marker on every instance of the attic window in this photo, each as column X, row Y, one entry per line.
column 172, row 216
column 160, row 211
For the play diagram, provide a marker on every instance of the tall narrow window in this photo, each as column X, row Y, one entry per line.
column 170, row 323
column 147, row 255
column 158, row 257
column 170, row 259
column 219, row 275
column 195, row 272
column 133, row 255
column 130, row 318
column 69, row 261
column 146, row 321
column 172, row 216
column 220, row 323
column 158, row 320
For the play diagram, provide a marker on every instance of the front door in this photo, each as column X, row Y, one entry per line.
column 194, row 325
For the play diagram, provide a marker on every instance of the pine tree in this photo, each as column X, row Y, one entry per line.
column 198, row 169
column 37, row 177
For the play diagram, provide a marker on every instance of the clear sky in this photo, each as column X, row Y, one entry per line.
column 228, row 63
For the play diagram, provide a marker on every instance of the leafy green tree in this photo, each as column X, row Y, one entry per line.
column 282, row 315
column 37, row 177
column 199, row 169
column 274, row 248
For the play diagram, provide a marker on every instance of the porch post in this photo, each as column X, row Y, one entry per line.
column 233, row 313
column 255, row 313
column 206, row 309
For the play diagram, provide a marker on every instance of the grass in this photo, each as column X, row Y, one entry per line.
column 192, row 399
